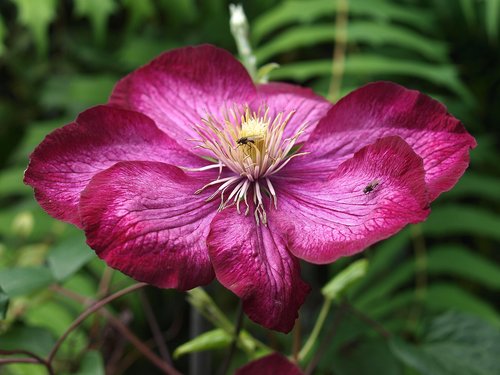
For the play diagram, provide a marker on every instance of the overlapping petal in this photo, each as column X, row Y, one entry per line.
column 253, row 262
column 143, row 219
column 368, row 198
column 273, row 364
column 180, row 87
column 63, row 164
column 383, row 109
column 309, row 108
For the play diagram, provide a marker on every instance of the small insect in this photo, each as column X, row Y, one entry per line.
column 371, row 186
column 245, row 140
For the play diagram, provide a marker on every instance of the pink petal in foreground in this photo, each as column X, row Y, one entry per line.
column 368, row 198
column 63, row 164
column 253, row 262
column 282, row 97
column 182, row 86
column 273, row 364
column 143, row 219
column 383, row 109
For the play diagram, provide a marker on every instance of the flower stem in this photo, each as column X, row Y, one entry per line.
column 313, row 337
column 237, row 330
column 240, row 30
column 338, row 65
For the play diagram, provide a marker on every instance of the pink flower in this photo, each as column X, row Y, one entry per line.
column 273, row 364
column 191, row 171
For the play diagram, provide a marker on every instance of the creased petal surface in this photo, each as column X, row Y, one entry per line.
column 325, row 220
column 383, row 109
column 282, row 97
column 143, row 219
column 273, row 364
column 63, row 164
column 180, row 87
column 252, row 261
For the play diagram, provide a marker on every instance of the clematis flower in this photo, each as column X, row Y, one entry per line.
column 271, row 364
column 191, row 171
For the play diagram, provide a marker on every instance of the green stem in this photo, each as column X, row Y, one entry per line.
column 339, row 52
column 202, row 302
column 240, row 30
column 313, row 337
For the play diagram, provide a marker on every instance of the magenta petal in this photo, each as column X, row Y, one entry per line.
column 252, row 261
column 143, row 219
column 282, row 97
column 273, row 364
column 182, row 86
column 368, row 198
column 63, row 164
column 383, row 109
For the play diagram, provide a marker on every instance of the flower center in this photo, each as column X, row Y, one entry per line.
column 253, row 147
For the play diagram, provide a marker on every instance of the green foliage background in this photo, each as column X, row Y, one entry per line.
column 434, row 286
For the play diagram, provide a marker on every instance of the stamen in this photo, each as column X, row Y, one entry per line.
column 251, row 145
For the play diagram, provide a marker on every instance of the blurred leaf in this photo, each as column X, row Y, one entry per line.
column 338, row 285
column 214, row 339
column 381, row 259
column 375, row 34
column 447, row 296
column 462, row 220
column 367, row 357
column 374, row 65
column 69, row 256
column 34, row 339
column 11, row 182
column 24, row 280
column 76, row 93
column 36, row 15
column 3, row 34
column 307, row 11
column 492, row 16
column 456, row 344
column 4, row 304
column 263, row 77
column 98, row 11
column 92, row 364
column 139, row 11
column 476, row 185
column 457, row 260
column 468, row 9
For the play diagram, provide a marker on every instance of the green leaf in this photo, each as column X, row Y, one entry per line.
column 375, row 65
column 37, row 15
column 4, row 304
column 81, row 92
column 446, row 296
column 455, row 343
column 475, row 185
column 384, row 254
column 307, row 11
column 24, row 280
column 263, row 72
column 214, row 339
column 468, row 9
column 375, row 34
column 139, row 11
column 3, row 34
column 34, row 339
column 462, row 220
column 457, row 260
column 69, row 256
column 92, row 364
column 341, row 282
column 98, row 11
column 11, row 182
column 492, row 15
